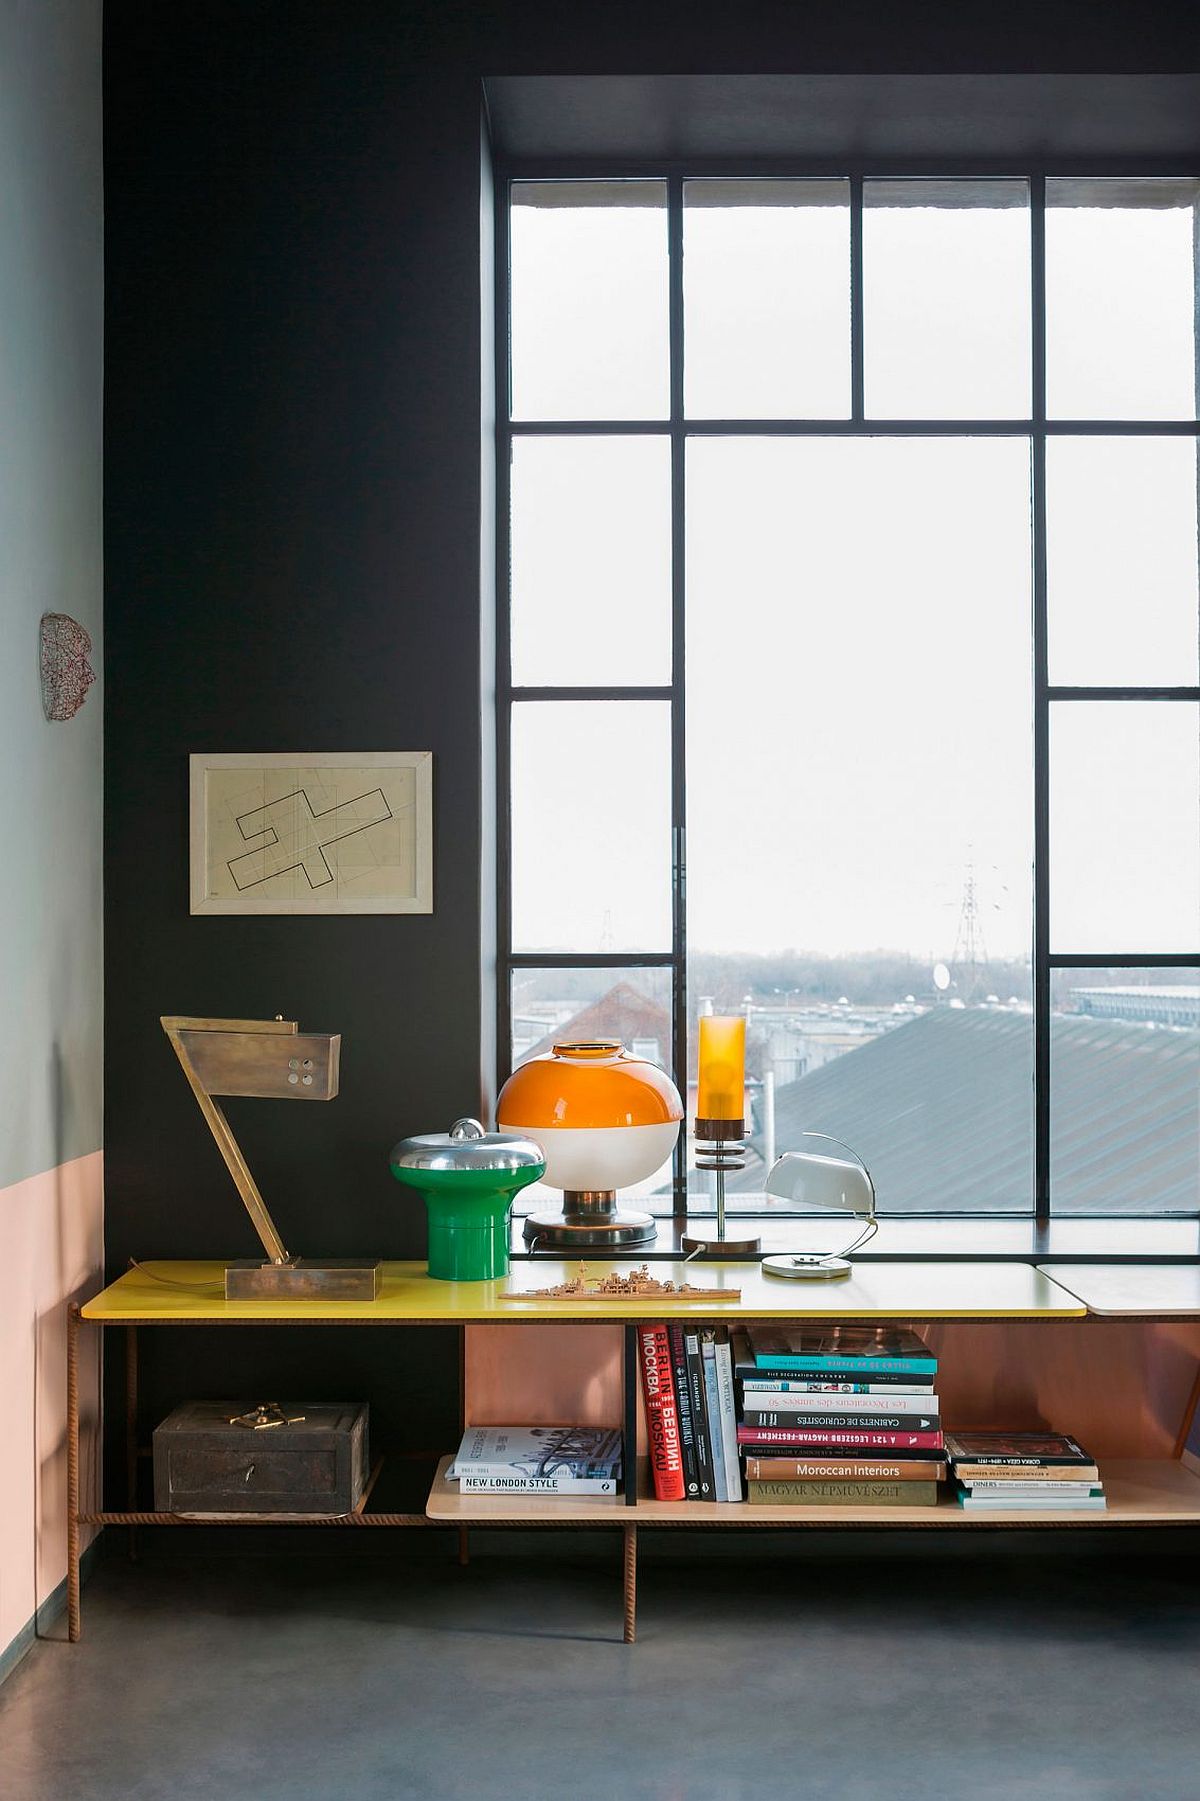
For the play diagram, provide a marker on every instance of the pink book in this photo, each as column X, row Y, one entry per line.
column 862, row 1441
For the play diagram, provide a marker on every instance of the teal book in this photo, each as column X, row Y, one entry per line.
column 874, row 1350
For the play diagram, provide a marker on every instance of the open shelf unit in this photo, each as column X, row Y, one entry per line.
column 1140, row 1491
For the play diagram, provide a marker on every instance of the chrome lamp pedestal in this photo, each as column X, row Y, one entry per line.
column 589, row 1220
column 721, row 1146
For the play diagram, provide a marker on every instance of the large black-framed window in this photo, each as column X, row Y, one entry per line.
column 653, row 444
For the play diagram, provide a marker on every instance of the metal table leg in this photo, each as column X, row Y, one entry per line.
column 131, row 1439
column 630, row 1534
column 73, row 1620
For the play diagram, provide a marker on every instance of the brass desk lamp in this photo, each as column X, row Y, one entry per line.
column 271, row 1059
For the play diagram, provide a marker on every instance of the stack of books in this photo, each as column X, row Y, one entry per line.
column 537, row 1460
column 691, row 1417
column 838, row 1416
column 1016, row 1472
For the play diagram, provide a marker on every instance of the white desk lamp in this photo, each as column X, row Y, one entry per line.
column 836, row 1179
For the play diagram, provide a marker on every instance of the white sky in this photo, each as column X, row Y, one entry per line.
column 858, row 665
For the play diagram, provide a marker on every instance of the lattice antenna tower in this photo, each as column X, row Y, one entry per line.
column 969, row 956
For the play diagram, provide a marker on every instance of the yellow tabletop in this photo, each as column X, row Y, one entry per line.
column 179, row 1293
column 1133, row 1290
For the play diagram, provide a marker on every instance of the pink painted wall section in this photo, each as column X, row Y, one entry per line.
column 51, row 1252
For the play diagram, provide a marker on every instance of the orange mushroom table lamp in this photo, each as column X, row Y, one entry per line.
column 721, row 1129
column 604, row 1119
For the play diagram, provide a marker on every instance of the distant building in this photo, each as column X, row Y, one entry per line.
column 642, row 1026
column 1171, row 1006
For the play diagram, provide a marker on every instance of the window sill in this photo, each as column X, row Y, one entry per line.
column 1099, row 1240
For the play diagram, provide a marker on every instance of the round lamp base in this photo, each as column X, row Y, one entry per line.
column 589, row 1222
column 737, row 1242
column 810, row 1268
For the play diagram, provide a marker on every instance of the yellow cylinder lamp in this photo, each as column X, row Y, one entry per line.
column 605, row 1119
column 721, row 1128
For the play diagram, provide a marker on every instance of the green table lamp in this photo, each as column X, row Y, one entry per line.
column 469, row 1178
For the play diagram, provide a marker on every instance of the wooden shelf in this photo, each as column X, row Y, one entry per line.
column 1141, row 1492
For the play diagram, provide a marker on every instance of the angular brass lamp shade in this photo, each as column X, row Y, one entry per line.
column 271, row 1059
column 826, row 1173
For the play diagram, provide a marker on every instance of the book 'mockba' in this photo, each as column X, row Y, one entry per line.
column 662, row 1415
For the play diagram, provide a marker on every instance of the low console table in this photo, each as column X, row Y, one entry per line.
column 1123, row 1377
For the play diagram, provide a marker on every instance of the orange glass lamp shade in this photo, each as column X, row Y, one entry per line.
column 605, row 1119
column 722, row 1088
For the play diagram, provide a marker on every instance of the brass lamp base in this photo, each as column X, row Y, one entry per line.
column 590, row 1221
column 299, row 1279
column 710, row 1243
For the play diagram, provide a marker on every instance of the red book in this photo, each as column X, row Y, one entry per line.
column 662, row 1414
column 857, row 1441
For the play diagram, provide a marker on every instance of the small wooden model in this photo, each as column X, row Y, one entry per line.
column 638, row 1285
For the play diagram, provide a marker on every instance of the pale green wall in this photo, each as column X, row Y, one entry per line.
column 51, row 327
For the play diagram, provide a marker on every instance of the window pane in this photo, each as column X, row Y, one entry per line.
column 591, row 825
column 589, row 300
column 634, row 1005
column 1121, row 555
column 946, row 277
column 860, row 797
column 1120, row 299
column 766, row 271
column 1125, row 1091
column 1124, row 826
column 591, row 561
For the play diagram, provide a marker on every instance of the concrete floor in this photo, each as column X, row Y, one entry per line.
column 1024, row 1668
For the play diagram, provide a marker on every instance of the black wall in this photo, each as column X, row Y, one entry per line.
column 292, row 514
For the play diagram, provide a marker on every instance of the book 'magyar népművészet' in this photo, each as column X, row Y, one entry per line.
column 538, row 1460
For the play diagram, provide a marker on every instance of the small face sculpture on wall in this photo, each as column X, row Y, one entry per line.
column 66, row 673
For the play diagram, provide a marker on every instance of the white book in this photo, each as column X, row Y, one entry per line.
column 896, row 1401
column 1026, row 1490
column 1035, row 1504
column 539, row 1452
column 775, row 1385
column 728, row 1405
column 500, row 1482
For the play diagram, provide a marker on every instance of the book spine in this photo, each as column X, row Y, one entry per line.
column 899, row 1401
column 852, row 1469
column 496, row 1484
column 800, row 1385
column 1031, row 1490
column 683, row 1406
column 867, row 1441
column 781, row 1362
column 662, row 1421
column 729, row 1426
column 1058, row 1472
column 845, row 1494
column 843, row 1422
column 712, row 1410
column 703, row 1445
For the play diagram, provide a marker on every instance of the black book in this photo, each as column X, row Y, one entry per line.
column 747, row 1369
column 683, row 1406
column 1036, row 1450
column 701, row 1436
column 842, row 1422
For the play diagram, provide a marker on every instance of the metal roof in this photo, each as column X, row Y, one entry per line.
column 941, row 1111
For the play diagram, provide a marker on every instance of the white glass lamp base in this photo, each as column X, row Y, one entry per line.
column 810, row 1268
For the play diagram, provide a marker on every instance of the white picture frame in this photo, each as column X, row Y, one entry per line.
column 331, row 832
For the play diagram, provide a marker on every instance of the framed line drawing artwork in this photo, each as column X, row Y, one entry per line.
column 322, row 832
